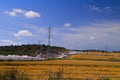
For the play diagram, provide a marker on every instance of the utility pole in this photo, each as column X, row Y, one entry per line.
column 40, row 47
column 105, row 51
column 105, row 48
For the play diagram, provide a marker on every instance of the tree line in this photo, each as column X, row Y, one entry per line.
column 29, row 49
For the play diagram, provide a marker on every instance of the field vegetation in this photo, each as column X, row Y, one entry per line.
column 86, row 66
column 99, row 56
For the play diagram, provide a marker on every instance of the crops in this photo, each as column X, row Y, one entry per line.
column 83, row 69
column 96, row 56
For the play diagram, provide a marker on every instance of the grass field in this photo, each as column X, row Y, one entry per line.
column 90, row 66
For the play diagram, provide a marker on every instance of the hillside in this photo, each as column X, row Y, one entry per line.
column 29, row 49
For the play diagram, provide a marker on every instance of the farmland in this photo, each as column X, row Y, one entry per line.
column 90, row 66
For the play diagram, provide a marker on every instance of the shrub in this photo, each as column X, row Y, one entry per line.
column 105, row 78
column 13, row 74
column 58, row 75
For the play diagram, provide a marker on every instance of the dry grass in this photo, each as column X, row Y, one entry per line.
column 96, row 56
column 77, row 69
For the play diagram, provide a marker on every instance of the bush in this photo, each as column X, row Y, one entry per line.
column 56, row 75
column 13, row 74
column 105, row 78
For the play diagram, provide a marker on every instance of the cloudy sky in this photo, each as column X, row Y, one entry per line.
column 75, row 24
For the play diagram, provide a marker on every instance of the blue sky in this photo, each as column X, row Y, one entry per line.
column 76, row 24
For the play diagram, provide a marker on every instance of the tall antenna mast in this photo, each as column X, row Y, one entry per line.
column 49, row 38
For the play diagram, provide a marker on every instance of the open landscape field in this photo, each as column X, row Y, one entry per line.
column 90, row 66
column 59, row 39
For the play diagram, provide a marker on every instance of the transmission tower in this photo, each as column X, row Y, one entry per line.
column 49, row 39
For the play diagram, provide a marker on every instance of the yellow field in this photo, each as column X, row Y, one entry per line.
column 97, row 56
column 75, row 69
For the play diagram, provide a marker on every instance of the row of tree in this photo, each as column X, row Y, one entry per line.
column 29, row 49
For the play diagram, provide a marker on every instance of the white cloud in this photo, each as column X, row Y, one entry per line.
column 12, row 13
column 23, row 33
column 18, row 11
column 67, row 24
column 31, row 14
column 107, row 8
column 92, row 38
column 94, row 8
column 27, row 14
column 10, row 42
column 99, row 9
